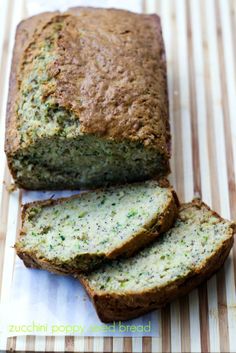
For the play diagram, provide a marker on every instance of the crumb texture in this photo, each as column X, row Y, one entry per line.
column 196, row 236
column 95, row 223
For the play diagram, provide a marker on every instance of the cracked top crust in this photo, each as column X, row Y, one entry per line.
column 107, row 68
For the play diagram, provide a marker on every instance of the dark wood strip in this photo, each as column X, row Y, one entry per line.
column 88, row 344
column 204, row 324
column 69, row 344
column 11, row 344
column 108, row 344
column 30, row 344
column 127, row 344
column 185, row 324
column 147, row 344
column 50, row 343
column 165, row 329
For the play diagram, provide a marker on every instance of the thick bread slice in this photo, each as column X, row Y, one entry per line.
column 178, row 261
column 76, row 234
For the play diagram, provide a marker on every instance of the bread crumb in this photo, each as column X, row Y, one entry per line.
column 11, row 188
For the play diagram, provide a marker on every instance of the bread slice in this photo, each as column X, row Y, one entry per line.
column 76, row 234
column 178, row 261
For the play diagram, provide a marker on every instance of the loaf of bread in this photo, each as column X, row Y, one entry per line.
column 78, row 233
column 190, row 252
column 88, row 100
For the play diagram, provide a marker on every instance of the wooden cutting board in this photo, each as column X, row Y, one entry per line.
column 201, row 54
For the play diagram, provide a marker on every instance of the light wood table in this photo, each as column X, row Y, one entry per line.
column 201, row 54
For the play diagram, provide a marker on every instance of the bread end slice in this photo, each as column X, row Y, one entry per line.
column 119, row 304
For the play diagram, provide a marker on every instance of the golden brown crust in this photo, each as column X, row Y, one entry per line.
column 128, row 248
column 114, row 87
column 130, row 95
column 118, row 306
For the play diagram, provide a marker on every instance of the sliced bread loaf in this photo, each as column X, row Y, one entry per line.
column 77, row 233
column 178, row 261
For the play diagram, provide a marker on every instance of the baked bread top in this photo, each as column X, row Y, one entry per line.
column 105, row 67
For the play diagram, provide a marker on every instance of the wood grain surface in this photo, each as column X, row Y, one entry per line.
column 200, row 39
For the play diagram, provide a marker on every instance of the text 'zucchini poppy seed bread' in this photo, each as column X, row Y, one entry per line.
column 88, row 100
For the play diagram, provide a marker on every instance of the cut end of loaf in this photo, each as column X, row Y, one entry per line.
column 84, row 162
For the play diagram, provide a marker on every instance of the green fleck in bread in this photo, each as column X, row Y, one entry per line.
column 76, row 234
column 190, row 252
column 88, row 100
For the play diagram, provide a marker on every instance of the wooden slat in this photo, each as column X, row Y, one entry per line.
column 195, row 339
column 147, row 345
column 49, row 346
column 185, row 324
column 79, row 344
column 88, row 345
column 30, row 343
column 136, row 344
column 216, row 157
column 226, row 45
column 21, row 344
column 69, row 344
column 193, row 107
column 7, row 21
column 40, row 344
column 11, row 344
column 118, row 343
column 3, row 225
column 108, row 344
column 204, row 324
column 165, row 329
column 127, row 344
column 222, row 310
column 59, row 344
